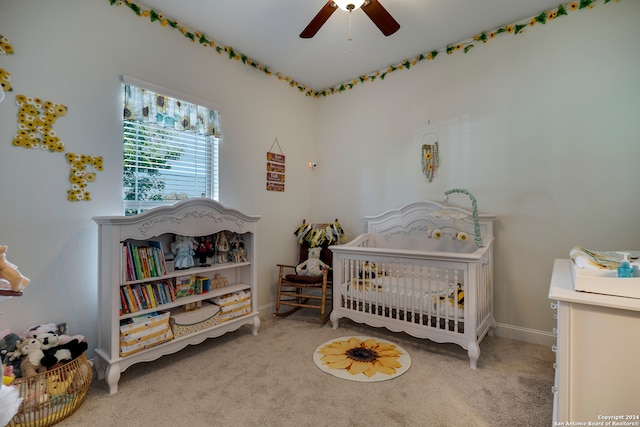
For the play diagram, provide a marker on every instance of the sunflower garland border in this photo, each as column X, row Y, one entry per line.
column 463, row 46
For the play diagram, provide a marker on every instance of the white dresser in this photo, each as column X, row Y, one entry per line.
column 597, row 355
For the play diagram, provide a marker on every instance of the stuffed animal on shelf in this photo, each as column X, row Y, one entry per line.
column 205, row 250
column 183, row 250
column 312, row 266
column 222, row 247
column 9, row 272
column 238, row 253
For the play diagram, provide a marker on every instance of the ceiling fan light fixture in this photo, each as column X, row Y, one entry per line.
column 349, row 5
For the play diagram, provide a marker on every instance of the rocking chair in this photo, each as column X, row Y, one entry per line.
column 306, row 291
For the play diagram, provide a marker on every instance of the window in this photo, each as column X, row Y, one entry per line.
column 170, row 148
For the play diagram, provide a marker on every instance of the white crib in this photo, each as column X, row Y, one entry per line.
column 419, row 270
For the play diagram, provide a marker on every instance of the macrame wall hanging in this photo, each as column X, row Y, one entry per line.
column 275, row 168
column 430, row 155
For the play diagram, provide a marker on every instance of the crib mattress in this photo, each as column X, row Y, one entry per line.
column 407, row 294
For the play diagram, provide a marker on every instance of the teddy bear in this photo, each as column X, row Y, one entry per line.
column 32, row 354
column 10, row 273
column 312, row 266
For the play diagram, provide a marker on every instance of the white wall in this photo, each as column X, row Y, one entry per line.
column 543, row 128
column 73, row 52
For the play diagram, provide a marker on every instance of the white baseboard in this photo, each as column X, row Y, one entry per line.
column 532, row 336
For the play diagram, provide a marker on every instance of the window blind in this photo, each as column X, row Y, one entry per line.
column 163, row 165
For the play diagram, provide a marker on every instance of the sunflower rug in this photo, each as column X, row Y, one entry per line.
column 365, row 359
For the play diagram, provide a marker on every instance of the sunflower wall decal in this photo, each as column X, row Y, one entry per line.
column 79, row 176
column 362, row 359
column 5, row 80
column 35, row 122
column 5, row 46
column 36, row 118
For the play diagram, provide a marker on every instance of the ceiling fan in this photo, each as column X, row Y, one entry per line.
column 374, row 10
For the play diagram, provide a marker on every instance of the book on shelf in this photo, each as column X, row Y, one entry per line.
column 144, row 296
column 183, row 286
column 192, row 285
column 147, row 300
column 143, row 262
column 124, row 306
column 150, row 319
column 167, row 292
column 139, row 297
column 151, row 295
column 131, row 301
column 202, row 284
column 158, row 254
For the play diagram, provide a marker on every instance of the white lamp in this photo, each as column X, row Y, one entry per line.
column 349, row 5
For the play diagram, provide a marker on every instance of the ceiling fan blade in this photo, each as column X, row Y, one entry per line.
column 318, row 21
column 379, row 15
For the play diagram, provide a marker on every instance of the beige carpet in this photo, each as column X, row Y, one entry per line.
column 271, row 380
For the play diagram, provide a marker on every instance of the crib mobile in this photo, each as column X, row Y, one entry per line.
column 457, row 233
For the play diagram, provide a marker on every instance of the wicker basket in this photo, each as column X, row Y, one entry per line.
column 52, row 396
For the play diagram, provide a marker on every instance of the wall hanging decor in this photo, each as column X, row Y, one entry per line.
column 35, row 121
column 430, row 155
column 79, row 176
column 36, row 118
column 5, row 76
column 275, row 168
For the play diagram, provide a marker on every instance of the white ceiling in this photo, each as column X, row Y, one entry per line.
column 267, row 31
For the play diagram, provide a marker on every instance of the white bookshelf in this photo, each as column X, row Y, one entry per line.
column 192, row 217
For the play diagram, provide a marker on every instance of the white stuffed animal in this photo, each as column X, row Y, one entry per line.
column 312, row 266
column 10, row 273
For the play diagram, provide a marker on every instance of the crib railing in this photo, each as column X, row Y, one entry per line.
column 440, row 291
column 428, row 293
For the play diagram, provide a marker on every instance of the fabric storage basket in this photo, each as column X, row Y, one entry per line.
column 51, row 396
column 185, row 323
column 143, row 332
column 233, row 305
